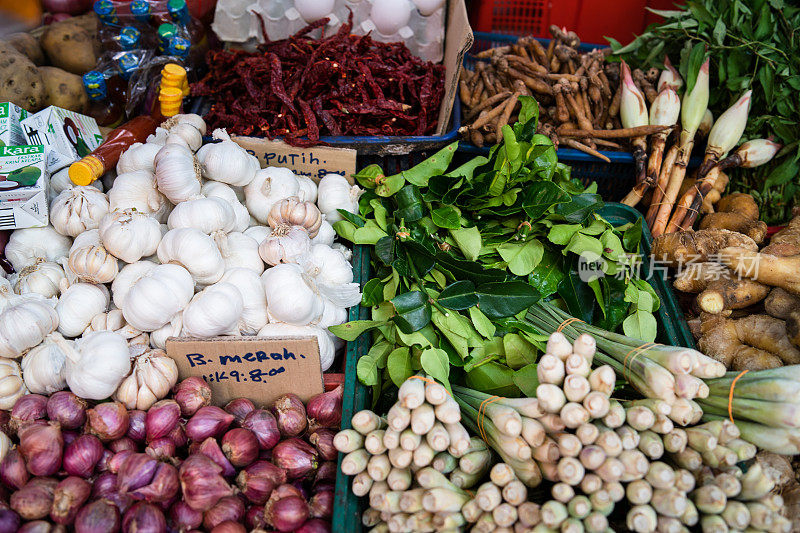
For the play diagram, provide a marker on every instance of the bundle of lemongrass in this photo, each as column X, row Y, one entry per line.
column 670, row 373
column 501, row 502
column 765, row 404
column 401, row 462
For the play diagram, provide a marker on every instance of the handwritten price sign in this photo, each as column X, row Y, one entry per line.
column 256, row 368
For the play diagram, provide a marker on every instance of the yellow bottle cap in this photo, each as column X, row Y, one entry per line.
column 85, row 171
column 173, row 69
column 185, row 87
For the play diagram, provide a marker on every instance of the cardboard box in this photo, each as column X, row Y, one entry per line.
column 10, row 130
column 257, row 368
column 67, row 136
column 314, row 162
column 23, row 187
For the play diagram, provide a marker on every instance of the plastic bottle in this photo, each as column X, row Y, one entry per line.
column 128, row 38
column 106, row 111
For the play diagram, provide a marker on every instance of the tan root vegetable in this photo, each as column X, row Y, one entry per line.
column 684, row 247
column 718, row 288
column 753, row 342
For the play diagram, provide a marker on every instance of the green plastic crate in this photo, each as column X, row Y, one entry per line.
column 672, row 330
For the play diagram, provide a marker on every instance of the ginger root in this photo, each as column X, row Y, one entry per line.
column 684, row 247
column 737, row 212
column 766, row 268
column 719, row 289
column 754, row 342
column 784, row 305
column 787, row 241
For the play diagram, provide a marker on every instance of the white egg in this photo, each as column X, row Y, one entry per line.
column 313, row 10
column 428, row 7
column 390, row 15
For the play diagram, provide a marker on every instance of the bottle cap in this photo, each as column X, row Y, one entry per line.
column 185, row 87
column 129, row 38
column 95, row 84
column 179, row 46
column 85, row 171
column 179, row 11
column 127, row 64
column 141, row 10
column 165, row 34
column 106, row 11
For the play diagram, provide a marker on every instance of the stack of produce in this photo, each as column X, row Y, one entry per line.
column 501, row 502
column 300, row 88
column 181, row 465
column 580, row 94
column 167, row 253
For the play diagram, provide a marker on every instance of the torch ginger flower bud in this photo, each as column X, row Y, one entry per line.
column 632, row 110
column 666, row 108
column 669, row 79
column 729, row 127
column 695, row 103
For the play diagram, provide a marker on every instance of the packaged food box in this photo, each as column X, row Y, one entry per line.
column 23, row 187
column 10, row 130
column 66, row 136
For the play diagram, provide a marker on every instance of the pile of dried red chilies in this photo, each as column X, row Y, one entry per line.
column 343, row 84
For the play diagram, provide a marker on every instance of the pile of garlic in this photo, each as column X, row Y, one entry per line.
column 190, row 240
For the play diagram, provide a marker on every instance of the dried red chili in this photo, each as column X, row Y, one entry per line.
column 341, row 84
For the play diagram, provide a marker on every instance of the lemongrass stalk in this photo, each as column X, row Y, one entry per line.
column 525, row 406
column 597, row 404
column 571, row 525
column 399, row 479
column 568, row 445
column 562, row 492
column 577, row 365
column 639, row 492
column 579, row 507
column 370, row 517
column 361, row 483
column 551, row 397
column 366, row 421
column 379, row 467
column 420, row 521
column 729, row 484
column 547, row 452
column 773, row 439
column 400, row 458
column 515, row 493
column 601, row 502
column 471, row 511
column 348, row 440
column 398, row 417
column 602, row 379
column 501, row 474
column 660, row 475
column 736, row 515
column 658, row 407
column 553, row 513
column 448, row 412
column 662, row 425
column 388, row 501
column 587, row 434
column 591, row 483
column 697, row 412
column 612, row 469
column 761, row 516
column 692, row 516
column 533, row 432
column 669, row 502
column 635, row 463
column 709, row 499
column 409, row 440
column 640, row 418
column 485, row 524
column 586, row 346
column 719, row 457
column 667, row 524
column 428, row 478
column 707, row 368
column 550, row 369
column 397, row 523
column 391, row 438
column 743, row 449
column 437, row 438
column 570, row 471
column 701, row 440
column 773, row 501
column 475, row 461
column 682, row 412
column 595, row 523
column 355, row 462
column 559, row 345
column 459, row 439
column 615, row 490
column 435, row 393
column 610, row 442
column 444, row 462
column 488, row 496
column 679, row 362
column 591, row 457
column 713, row 523
column 552, row 423
column 616, row 415
column 629, row 437
column 515, row 447
column 411, row 500
column 504, row 515
column 781, row 524
column 443, row 500
column 688, row 459
column 651, row 445
column 377, row 489
column 380, row 528
column 755, row 484
column 766, row 389
column 423, row 455
column 576, row 387
column 411, row 393
column 641, row 519
column 690, row 387
column 529, row 514
column 448, row 521
column 422, row 419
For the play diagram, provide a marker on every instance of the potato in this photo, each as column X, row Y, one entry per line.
column 27, row 45
column 70, row 47
column 20, row 81
column 64, row 89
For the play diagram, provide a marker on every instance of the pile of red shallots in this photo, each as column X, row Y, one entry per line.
column 182, row 466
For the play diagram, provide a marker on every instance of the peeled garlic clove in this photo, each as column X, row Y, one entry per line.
column 78, row 209
column 25, row 323
column 294, row 212
column 138, row 190
column 327, row 352
column 177, row 173
column 215, row 310
column 42, row 277
column 26, row 246
column 194, row 250
column 157, row 296
column 254, row 300
column 78, row 304
column 93, row 264
column 291, row 296
column 206, row 214
column 268, row 187
column 285, row 244
column 129, row 234
column 239, row 250
column 335, row 192
column 227, row 162
column 88, row 379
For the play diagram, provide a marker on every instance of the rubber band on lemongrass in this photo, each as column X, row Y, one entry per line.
column 482, row 414
column 730, row 394
column 431, row 381
column 633, row 354
column 566, row 323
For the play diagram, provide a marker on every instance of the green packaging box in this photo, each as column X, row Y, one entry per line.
column 10, row 130
column 66, row 136
column 23, row 187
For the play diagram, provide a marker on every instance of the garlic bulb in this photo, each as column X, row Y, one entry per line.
column 195, row 251
column 43, row 367
column 138, row 157
column 344, row 250
column 96, row 364
column 286, row 244
column 335, row 192
column 294, row 212
column 291, row 295
column 129, row 234
column 129, row 275
column 186, row 118
column 185, row 135
column 215, row 310
column 227, row 162
column 77, row 209
column 5, row 445
column 177, row 173
column 78, row 304
column 308, row 189
column 326, row 233
column 327, row 352
column 206, row 214
column 60, row 182
column 173, row 328
column 151, row 378
column 258, row 233
column 93, row 264
column 239, row 250
column 12, row 387
column 42, row 277
column 269, row 186
column 216, row 189
column 114, row 321
column 157, row 296
column 158, row 137
column 332, row 315
column 87, row 238
column 254, row 300
column 138, row 190
column 26, row 246
column 25, row 323
column 327, row 265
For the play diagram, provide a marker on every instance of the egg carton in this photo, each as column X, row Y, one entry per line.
column 420, row 24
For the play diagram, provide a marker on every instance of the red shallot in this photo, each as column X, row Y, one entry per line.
column 41, row 445
column 184, row 517
column 287, row 514
column 70, row 495
column 109, row 421
column 291, row 415
column 227, row 508
column 99, row 516
column 13, row 472
column 240, row 446
column 67, row 409
column 201, row 482
column 33, row 501
column 208, row 421
column 161, row 419
column 257, row 481
column 263, row 424
column 239, row 408
column 210, row 448
column 322, row 439
column 143, row 517
column 325, row 410
column 81, row 455
column 192, row 394
column 136, row 425
column 162, row 448
column 315, row 525
column 27, row 409
column 295, row 456
column 229, row 527
column 321, row 504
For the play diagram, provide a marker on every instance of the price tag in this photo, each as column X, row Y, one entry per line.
column 251, row 367
column 312, row 162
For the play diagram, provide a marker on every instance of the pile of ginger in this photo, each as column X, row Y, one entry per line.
column 748, row 299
